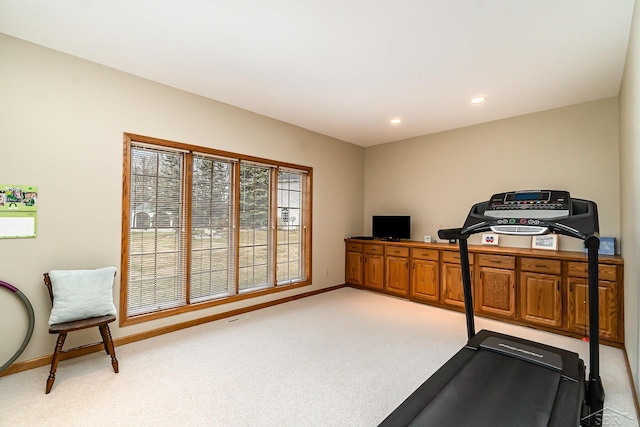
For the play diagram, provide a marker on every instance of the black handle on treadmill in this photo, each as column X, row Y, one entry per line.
column 450, row 233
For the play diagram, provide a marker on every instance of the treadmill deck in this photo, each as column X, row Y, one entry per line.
column 483, row 387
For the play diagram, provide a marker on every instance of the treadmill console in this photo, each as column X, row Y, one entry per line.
column 530, row 213
column 525, row 212
column 529, row 204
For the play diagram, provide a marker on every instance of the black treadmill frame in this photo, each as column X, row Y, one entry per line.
column 581, row 223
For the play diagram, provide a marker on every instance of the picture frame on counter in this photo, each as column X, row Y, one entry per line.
column 546, row 241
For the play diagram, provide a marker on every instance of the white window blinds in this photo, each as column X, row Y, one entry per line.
column 156, row 265
column 213, row 237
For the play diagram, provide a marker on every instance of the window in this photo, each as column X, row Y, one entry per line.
column 212, row 231
column 290, row 222
column 156, row 271
column 255, row 261
column 203, row 227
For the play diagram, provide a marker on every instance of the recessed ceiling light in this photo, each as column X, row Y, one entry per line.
column 395, row 121
column 478, row 99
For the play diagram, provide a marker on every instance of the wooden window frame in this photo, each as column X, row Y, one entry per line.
column 306, row 226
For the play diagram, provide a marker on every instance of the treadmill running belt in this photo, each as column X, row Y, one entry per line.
column 494, row 390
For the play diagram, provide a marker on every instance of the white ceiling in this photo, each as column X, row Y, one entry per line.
column 343, row 68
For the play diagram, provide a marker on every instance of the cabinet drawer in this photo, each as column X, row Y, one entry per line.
column 397, row 251
column 354, row 247
column 374, row 249
column 429, row 254
column 454, row 257
column 497, row 261
column 605, row 271
column 538, row 265
column 577, row 269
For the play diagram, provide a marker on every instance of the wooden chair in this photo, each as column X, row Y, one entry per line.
column 62, row 329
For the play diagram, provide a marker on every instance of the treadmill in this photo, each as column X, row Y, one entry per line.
column 501, row 380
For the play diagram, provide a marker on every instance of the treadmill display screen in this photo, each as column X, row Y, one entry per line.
column 525, row 197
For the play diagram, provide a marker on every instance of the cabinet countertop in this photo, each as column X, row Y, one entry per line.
column 535, row 253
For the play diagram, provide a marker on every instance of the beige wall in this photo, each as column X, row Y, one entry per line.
column 630, row 193
column 61, row 126
column 437, row 178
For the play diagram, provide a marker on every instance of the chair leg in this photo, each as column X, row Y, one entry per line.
column 108, row 342
column 54, row 361
column 104, row 339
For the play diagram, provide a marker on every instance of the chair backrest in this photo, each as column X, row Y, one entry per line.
column 47, row 282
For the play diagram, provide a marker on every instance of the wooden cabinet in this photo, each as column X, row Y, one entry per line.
column 397, row 270
column 354, row 260
column 578, row 297
column 496, row 290
column 425, row 283
column 540, row 291
column 373, row 267
column 452, row 292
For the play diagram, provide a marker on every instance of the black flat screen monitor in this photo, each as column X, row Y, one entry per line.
column 391, row 227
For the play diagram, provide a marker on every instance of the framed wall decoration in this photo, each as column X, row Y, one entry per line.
column 547, row 241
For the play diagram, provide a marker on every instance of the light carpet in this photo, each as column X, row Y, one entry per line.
column 342, row 358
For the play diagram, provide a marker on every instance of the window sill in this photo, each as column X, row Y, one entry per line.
column 141, row 318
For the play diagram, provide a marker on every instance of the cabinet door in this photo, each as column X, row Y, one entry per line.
column 451, row 278
column 541, row 299
column 374, row 271
column 452, row 292
column 353, row 268
column 397, row 269
column 424, row 280
column 578, row 307
column 497, row 291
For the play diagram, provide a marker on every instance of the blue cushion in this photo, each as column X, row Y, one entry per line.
column 80, row 294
